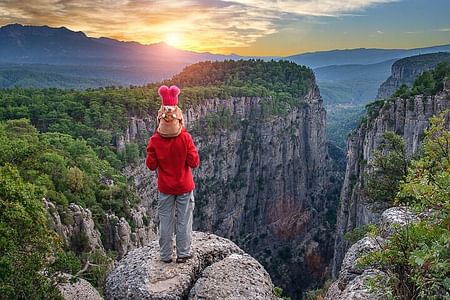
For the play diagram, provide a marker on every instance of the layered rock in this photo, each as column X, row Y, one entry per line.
column 406, row 70
column 406, row 117
column 217, row 270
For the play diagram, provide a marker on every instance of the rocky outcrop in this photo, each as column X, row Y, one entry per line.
column 122, row 236
column 236, row 276
column 406, row 117
column 217, row 270
column 76, row 225
column 77, row 289
column 406, row 70
column 353, row 280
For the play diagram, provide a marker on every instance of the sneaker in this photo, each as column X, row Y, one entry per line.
column 167, row 261
column 183, row 259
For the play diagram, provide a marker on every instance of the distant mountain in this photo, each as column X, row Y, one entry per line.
column 355, row 84
column 406, row 70
column 60, row 54
column 43, row 44
column 359, row 56
column 102, row 58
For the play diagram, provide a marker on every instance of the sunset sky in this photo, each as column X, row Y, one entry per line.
column 247, row 27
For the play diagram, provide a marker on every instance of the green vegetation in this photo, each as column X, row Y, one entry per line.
column 341, row 120
column 279, row 293
column 416, row 257
column 12, row 76
column 25, row 239
column 61, row 169
column 275, row 76
column 283, row 84
column 319, row 294
column 387, row 168
column 67, row 170
column 427, row 84
column 360, row 232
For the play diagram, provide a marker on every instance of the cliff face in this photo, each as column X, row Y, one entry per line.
column 406, row 70
column 406, row 117
column 262, row 183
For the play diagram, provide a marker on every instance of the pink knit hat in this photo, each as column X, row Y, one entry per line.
column 169, row 95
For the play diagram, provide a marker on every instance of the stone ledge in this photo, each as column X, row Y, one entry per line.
column 141, row 274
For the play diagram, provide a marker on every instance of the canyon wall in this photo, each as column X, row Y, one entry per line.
column 406, row 70
column 406, row 117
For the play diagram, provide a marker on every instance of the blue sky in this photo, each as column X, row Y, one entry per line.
column 248, row 27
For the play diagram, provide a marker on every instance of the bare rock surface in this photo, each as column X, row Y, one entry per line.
column 358, row 289
column 80, row 289
column 394, row 218
column 350, row 268
column 141, row 274
column 236, row 277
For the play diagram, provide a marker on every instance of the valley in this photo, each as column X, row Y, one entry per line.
column 286, row 146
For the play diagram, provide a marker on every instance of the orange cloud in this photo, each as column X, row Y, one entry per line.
column 201, row 25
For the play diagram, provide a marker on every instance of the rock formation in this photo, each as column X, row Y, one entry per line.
column 218, row 270
column 76, row 226
column 78, row 289
column 406, row 117
column 406, row 70
column 353, row 281
column 262, row 182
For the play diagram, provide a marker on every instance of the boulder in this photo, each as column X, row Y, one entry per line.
column 394, row 218
column 78, row 289
column 142, row 275
column 235, row 277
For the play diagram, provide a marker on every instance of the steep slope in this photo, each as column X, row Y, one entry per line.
column 406, row 70
column 407, row 117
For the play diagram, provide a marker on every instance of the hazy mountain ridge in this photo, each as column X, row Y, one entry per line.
column 137, row 64
column 359, row 56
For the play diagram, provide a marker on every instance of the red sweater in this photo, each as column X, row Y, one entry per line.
column 174, row 158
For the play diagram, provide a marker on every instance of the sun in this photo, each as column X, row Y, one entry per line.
column 173, row 39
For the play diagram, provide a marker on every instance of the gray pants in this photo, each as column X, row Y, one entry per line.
column 183, row 206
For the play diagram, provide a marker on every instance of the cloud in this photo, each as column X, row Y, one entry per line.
column 330, row 8
column 444, row 29
column 206, row 25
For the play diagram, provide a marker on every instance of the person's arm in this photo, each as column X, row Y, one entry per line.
column 193, row 159
column 151, row 161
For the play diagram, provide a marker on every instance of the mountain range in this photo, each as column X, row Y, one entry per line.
column 60, row 57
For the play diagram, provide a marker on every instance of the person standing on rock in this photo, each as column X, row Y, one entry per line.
column 172, row 153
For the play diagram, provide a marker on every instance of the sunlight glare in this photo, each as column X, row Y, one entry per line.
column 172, row 39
